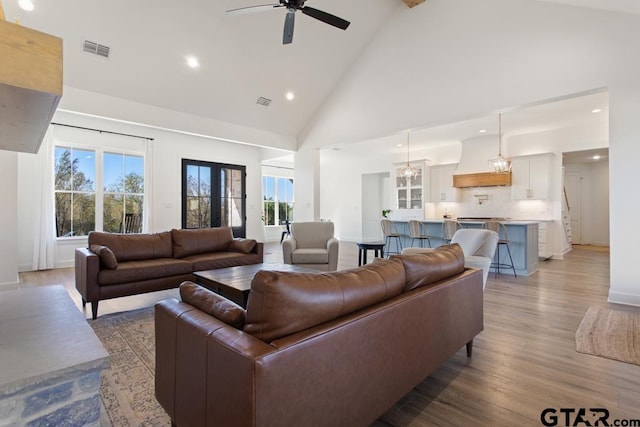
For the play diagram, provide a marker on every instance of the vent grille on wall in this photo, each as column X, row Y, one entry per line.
column 96, row 49
column 264, row 101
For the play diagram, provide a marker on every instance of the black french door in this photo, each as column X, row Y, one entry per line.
column 214, row 195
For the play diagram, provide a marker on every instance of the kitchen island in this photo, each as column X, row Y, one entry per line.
column 523, row 240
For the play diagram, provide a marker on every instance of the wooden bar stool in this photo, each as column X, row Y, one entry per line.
column 416, row 232
column 503, row 240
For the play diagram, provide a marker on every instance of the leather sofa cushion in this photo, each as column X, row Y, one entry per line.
column 216, row 260
column 429, row 267
column 244, row 246
column 282, row 303
column 131, row 247
column 201, row 240
column 213, row 304
column 138, row 271
column 107, row 258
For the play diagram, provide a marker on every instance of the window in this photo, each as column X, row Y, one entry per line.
column 213, row 195
column 123, row 196
column 108, row 201
column 278, row 199
column 75, row 191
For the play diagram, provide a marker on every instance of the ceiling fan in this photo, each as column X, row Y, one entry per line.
column 292, row 7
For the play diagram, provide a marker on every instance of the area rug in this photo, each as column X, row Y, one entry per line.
column 127, row 389
column 613, row 334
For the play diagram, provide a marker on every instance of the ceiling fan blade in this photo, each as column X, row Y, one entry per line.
column 289, row 20
column 325, row 17
column 252, row 9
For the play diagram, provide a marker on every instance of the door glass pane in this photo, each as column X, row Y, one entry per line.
column 193, row 212
column 204, row 187
column 192, row 180
column 205, row 212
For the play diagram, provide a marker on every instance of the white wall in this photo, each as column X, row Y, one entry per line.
column 457, row 59
column 163, row 183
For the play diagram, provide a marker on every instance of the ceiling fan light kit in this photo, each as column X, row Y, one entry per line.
column 292, row 7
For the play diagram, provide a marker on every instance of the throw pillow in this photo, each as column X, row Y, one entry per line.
column 213, row 304
column 429, row 267
column 107, row 258
column 244, row 246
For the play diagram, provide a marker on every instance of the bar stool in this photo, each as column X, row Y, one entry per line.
column 389, row 233
column 449, row 227
column 416, row 232
column 501, row 229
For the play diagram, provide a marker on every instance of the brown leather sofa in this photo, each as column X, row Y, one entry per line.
column 117, row 265
column 315, row 349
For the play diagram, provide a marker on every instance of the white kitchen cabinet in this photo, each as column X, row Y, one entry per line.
column 409, row 191
column 442, row 189
column 531, row 177
column 544, row 243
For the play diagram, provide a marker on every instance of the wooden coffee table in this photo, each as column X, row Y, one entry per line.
column 234, row 283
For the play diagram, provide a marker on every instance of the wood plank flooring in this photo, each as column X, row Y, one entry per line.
column 523, row 362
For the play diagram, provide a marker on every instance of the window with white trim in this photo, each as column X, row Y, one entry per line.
column 97, row 190
column 277, row 199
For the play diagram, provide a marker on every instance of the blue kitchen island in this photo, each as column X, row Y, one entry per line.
column 523, row 241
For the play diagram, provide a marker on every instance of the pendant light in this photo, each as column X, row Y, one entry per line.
column 409, row 172
column 500, row 164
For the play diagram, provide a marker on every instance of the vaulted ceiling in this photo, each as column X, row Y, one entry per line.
column 241, row 57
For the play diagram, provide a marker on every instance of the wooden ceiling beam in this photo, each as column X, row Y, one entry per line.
column 412, row 3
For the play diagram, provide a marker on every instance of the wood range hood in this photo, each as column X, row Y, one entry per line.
column 482, row 179
column 30, row 85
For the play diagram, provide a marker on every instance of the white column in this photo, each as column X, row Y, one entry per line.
column 9, row 219
column 624, row 204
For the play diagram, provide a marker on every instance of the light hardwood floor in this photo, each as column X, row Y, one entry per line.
column 523, row 362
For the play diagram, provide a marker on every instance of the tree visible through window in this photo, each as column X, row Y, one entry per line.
column 123, row 192
column 213, row 195
column 120, row 188
column 74, row 191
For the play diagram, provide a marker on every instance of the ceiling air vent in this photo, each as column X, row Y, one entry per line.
column 264, row 101
column 96, row 49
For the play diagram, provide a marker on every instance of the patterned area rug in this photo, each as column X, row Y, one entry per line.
column 613, row 334
column 127, row 389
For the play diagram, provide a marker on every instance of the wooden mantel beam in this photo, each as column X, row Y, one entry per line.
column 1, row 13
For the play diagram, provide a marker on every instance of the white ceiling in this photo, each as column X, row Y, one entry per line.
column 242, row 58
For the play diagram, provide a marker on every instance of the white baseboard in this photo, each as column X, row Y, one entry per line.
column 624, row 298
column 9, row 286
column 65, row 263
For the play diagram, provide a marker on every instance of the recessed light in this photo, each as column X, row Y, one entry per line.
column 193, row 62
column 398, row 145
column 596, row 110
column 483, row 130
column 26, row 5
column 290, row 96
column 596, row 157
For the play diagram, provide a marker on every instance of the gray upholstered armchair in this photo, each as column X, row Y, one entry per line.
column 311, row 245
column 478, row 246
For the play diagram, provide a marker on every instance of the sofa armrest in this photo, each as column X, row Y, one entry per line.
column 204, row 367
column 87, row 267
column 258, row 249
column 332, row 247
column 288, row 246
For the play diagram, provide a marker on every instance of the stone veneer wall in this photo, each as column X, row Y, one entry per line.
column 71, row 399
column 51, row 360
